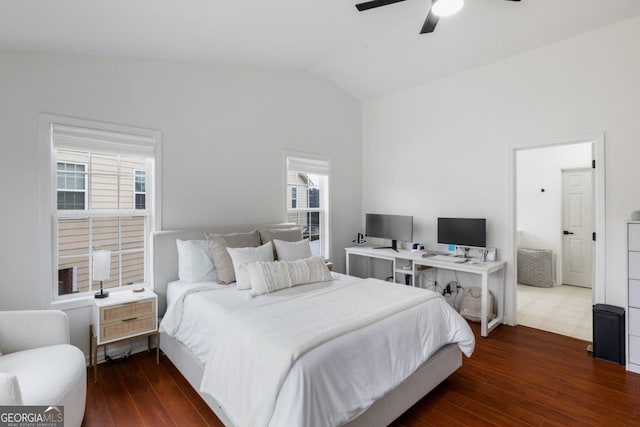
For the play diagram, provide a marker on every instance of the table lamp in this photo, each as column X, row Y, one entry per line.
column 101, row 270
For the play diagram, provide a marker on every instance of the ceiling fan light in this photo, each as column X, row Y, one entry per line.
column 444, row 8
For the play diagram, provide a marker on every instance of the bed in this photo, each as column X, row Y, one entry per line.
column 364, row 371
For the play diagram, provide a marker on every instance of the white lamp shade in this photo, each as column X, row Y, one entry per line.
column 444, row 8
column 101, row 265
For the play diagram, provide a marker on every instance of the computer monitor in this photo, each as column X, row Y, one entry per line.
column 393, row 227
column 468, row 232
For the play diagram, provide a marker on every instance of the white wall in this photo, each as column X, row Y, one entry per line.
column 224, row 132
column 539, row 220
column 441, row 149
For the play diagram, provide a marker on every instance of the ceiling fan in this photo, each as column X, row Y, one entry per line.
column 438, row 9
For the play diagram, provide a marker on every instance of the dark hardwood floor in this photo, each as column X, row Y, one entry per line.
column 518, row 376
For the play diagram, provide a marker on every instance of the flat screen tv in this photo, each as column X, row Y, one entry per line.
column 393, row 227
column 471, row 232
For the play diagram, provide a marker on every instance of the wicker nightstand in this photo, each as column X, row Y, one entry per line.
column 123, row 316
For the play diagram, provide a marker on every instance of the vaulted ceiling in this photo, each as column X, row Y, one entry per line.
column 369, row 53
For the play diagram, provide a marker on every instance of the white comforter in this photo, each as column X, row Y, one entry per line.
column 318, row 354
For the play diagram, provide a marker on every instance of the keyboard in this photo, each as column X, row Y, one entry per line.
column 445, row 258
column 456, row 260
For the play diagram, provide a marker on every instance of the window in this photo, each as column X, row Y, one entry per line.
column 138, row 190
column 72, row 186
column 104, row 199
column 308, row 204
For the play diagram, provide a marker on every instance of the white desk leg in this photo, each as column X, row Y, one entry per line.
column 504, row 285
column 414, row 278
column 484, row 330
column 347, row 264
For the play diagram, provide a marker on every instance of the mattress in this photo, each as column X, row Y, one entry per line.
column 329, row 385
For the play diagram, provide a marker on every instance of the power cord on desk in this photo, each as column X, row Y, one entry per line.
column 452, row 293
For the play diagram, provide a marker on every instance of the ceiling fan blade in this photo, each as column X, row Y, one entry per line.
column 512, row 0
column 374, row 3
column 429, row 23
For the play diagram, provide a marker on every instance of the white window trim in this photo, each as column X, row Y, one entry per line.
column 48, row 187
column 86, row 183
column 310, row 162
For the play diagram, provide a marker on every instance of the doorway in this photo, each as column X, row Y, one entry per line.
column 539, row 173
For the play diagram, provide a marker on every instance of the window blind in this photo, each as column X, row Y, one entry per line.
column 77, row 138
column 308, row 165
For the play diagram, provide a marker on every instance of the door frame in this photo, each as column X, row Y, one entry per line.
column 592, row 207
column 598, row 290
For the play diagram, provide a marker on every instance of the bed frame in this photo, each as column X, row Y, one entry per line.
column 165, row 269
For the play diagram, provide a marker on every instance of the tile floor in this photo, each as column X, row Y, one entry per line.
column 564, row 310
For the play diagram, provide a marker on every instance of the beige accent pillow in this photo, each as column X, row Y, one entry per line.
column 291, row 251
column 292, row 234
column 218, row 244
column 242, row 257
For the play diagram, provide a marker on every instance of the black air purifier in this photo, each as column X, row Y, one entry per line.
column 608, row 333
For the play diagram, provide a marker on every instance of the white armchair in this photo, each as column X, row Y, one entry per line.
column 38, row 366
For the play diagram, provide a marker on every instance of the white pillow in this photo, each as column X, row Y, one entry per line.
column 194, row 262
column 242, row 257
column 291, row 251
column 267, row 277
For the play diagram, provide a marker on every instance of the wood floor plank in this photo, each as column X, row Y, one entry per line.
column 532, row 400
column 489, row 415
column 212, row 420
column 122, row 408
column 437, row 416
column 452, row 403
column 516, row 377
column 408, row 419
column 156, row 373
column 184, row 385
column 495, row 400
column 147, row 401
column 97, row 412
column 182, row 411
column 126, row 367
column 185, row 410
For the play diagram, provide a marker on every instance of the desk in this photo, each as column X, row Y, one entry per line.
column 405, row 258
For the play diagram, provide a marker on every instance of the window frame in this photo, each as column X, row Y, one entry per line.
column 94, row 215
column 135, row 192
column 127, row 141
column 86, row 183
column 324, row 211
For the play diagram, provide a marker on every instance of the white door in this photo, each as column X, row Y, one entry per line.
column 577, row 227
